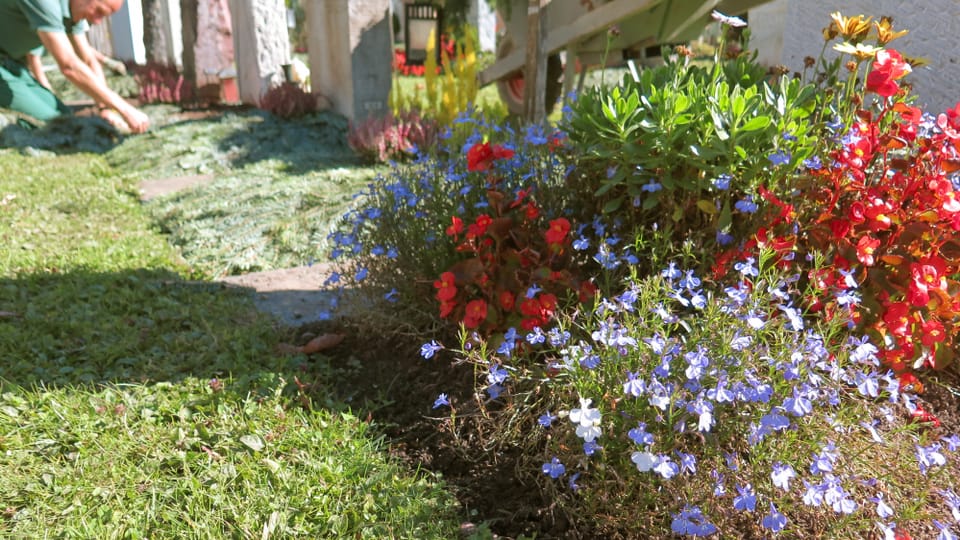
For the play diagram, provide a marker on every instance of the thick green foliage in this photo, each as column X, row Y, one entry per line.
column 653, row 145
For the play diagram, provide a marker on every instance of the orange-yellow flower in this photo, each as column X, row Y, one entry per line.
column 885, row 32
column 851, row 28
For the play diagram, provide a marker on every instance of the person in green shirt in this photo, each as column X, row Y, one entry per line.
column 60, row 27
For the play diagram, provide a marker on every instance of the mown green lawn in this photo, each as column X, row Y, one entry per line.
column 137, row 403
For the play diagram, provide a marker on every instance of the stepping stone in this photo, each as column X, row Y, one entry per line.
column 294, row 296
column 151, row 189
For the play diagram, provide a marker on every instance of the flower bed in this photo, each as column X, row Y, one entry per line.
column 705, row 305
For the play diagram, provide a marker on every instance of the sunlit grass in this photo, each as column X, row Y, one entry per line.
column 135, row 403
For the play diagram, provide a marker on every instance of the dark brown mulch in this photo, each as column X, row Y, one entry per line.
column 395, row 388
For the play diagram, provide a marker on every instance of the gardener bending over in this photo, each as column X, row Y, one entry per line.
column 60, row 26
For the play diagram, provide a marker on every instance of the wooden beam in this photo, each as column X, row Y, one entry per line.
column 597, row 20
column 535, row 71
column 690, row 14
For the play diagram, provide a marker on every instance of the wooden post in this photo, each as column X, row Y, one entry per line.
column 188, row 25
column 535, row 72
column 99, row 37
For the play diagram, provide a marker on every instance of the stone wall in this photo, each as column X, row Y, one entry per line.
column 785, row 31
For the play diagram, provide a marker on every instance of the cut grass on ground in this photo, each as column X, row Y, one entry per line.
column 135, row 403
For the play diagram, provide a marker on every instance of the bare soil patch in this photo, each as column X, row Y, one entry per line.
column 395, row 388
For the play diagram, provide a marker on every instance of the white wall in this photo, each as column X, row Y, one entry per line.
column 934, row 32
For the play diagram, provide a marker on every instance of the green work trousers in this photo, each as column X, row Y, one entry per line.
column 21, row 92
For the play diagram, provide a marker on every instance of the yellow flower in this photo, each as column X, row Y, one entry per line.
column 885, row 33
column 860, row 51
column 851, row 28
column 830, row 32
column 916, row 62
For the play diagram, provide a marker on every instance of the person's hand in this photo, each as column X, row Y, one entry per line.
column 136, row 119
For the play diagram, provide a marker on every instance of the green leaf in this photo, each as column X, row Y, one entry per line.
column 707, row 207
column 726, row 217
column 719, row 125
column 613, row 205
column 609, row 111
column 677, row 214
column 604, row 188
column 756, row 123
column 650, row 202
column 739, row 104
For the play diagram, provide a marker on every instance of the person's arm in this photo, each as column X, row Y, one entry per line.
column 36, row 69
column 87, row 55
column 81, row 75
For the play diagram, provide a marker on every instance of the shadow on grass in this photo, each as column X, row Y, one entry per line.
column 88, row 329
column 185, row 141
column 66, row 135
column 221, row 140
column 300, row 143
column 140, row 326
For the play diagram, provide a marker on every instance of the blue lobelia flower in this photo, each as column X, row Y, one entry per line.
column 774, row 521
column 546, row 419
column 441, row 401
column 554, row 469
column 746, row 205
column 930, row 456
column 779, row 158
column 746, row 499
column 427, row 350
column 691, row 521
column 781, row 475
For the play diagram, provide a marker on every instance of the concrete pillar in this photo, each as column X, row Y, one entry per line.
column 350, row 47
column 771, row 24
column 207, row 44
column 214, row 48
column 126, row 26
column 261, row 45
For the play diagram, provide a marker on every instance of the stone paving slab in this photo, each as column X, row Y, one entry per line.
column 151, row 189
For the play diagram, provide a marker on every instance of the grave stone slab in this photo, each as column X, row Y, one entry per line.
column 261, row 46
column 350, row 48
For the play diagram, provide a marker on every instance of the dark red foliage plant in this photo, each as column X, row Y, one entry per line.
column 393, row 136
column 162, row 83
column 289, row 100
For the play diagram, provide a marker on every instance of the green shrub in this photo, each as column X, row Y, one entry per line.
column 682, row 145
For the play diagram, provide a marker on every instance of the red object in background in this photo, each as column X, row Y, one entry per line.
column 400, row 65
